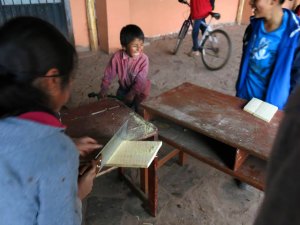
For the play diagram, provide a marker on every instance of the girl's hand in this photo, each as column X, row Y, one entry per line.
column 86, row 145
column 86, row 181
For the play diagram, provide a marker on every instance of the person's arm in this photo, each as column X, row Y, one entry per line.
column 140, row 81
column 110, row 73
column 86, row 145
column 295, row 72
column 246, row 39
column 86, row 181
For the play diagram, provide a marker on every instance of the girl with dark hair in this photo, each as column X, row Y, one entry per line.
column 38, row 162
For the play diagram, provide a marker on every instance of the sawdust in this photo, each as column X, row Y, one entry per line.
column 143, row 129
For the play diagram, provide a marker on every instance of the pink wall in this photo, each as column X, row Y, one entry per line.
column 79, row 21
column 227, row 9
column 159, row 17
column 247, row 12
column 155, row 17
column 166, row 16
column 118, row 15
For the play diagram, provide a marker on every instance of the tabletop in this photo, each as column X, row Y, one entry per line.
column 216, row 115
column 101, row 120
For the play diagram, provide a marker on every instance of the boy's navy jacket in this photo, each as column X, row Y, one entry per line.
column 286, row 72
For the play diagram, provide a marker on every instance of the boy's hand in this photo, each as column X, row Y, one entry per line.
column 86, row 145
column 128, row 99
column 102, row 94
column 86, row 181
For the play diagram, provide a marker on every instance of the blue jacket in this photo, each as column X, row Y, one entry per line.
column 39, row 172
column 286, row 73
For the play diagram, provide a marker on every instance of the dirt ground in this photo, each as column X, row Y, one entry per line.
column 195, row 194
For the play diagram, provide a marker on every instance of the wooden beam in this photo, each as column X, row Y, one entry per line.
column 92, row 27
column 239, row 16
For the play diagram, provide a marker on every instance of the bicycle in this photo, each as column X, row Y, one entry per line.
column 214, row 45
column 96, row 95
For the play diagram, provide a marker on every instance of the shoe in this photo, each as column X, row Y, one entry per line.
column 193, row 53
column 242, row 185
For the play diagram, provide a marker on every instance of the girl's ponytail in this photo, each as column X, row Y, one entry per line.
column 29, row 48
column 17, row 97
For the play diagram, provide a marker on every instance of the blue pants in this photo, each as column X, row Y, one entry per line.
column 195, row 33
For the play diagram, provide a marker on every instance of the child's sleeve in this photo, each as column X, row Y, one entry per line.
column 140, row 79
column 295, row 73
column 246, row 38
column 110, row 73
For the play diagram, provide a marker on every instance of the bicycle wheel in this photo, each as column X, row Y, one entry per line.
column 182, row 33
column 216, row 50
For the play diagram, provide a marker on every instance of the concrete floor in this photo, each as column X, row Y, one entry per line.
column 191, row 194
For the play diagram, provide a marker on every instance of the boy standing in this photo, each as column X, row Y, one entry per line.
column 270, row 66
column 131, row 65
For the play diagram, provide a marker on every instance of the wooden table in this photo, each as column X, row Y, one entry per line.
column 100, row 120
column 213, row 128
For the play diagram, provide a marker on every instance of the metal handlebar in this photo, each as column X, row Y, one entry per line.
column 183, row 2
column 94, row 94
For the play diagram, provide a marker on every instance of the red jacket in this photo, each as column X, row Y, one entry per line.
column 200, row 8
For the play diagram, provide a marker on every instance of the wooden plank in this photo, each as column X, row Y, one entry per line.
column 100, row 120
column 240, row 12
column 254, row 170
column 206, row 149
column 213, row 153
column 92, row 24
column 166, row 158
column 240, row 157
column 216, row 115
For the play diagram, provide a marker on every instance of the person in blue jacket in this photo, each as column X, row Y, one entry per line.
column 38, row 162
column 270, row 65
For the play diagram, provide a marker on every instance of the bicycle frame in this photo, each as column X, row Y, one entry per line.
column 207, row 31
column 209, row 43
column 189, row 22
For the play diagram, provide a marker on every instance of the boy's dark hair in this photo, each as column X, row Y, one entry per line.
column 29, row 48
column 129, row 33
column 281, row 1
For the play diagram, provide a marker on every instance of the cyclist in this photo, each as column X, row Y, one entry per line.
column 200, row 9
column 270, row 67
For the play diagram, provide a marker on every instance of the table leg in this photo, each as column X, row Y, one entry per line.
column 153, row 187
column 182, row 158
column 240, row 157
column 144, row 180
column 121, row 172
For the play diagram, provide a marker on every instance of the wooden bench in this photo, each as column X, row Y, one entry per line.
column 213, row 128
column 100, row 120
